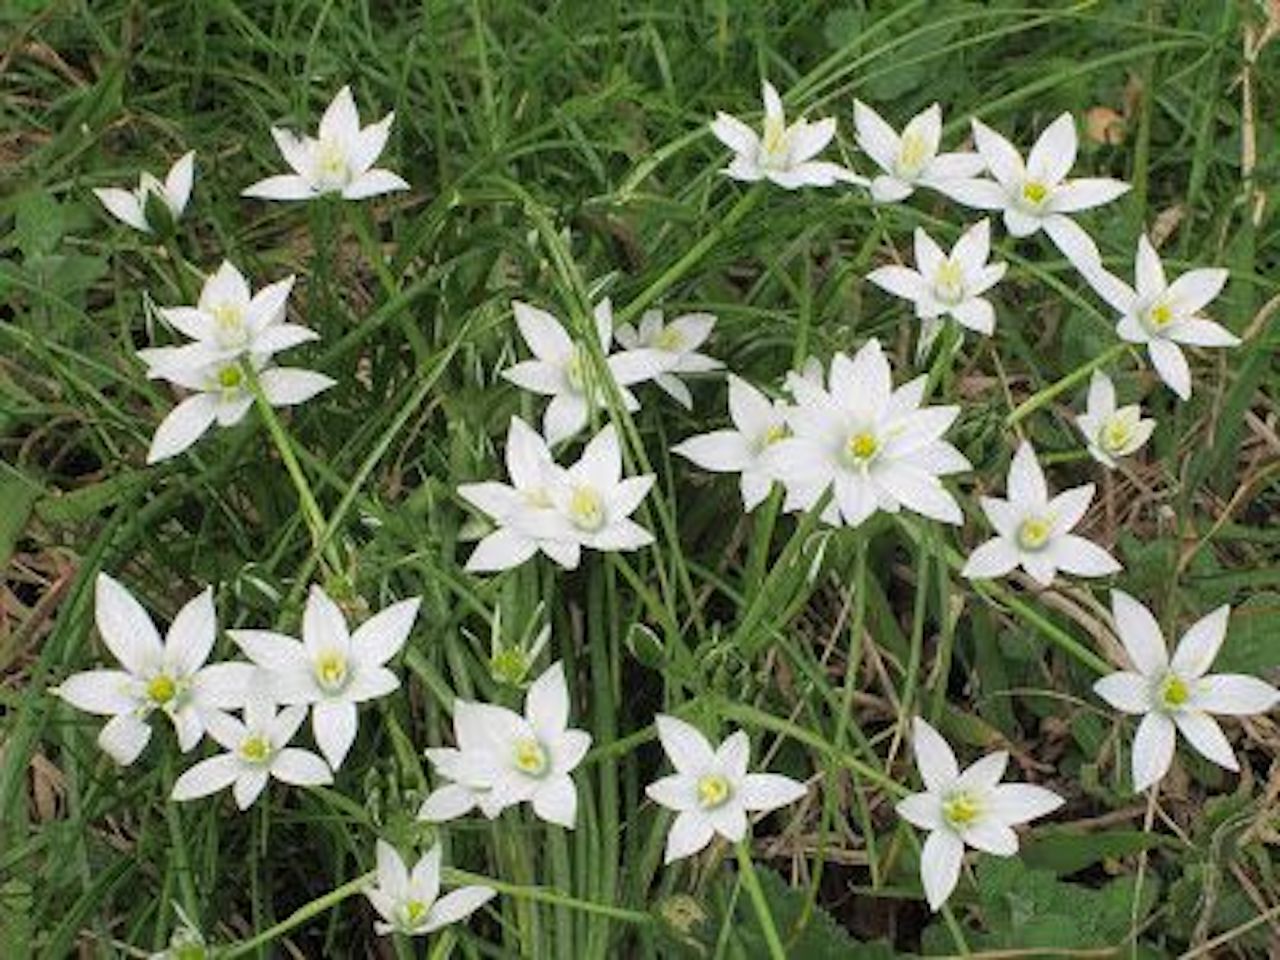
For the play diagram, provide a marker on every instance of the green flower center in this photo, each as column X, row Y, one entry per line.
column 230, row 377
column 1160, row 316
column 771, row 435
column 509, row 665
column 331, row 165
column 961, row 809
column 161, row 689
column 1174, row 692
column 713, row 790
column 1034, row 192
column 529, row 757
column 331, row 671
column 1116, row 434
column 578, row 371
column 256, row 748
column 414, row 911
column 776, row 145
column 1034, row 532
column 586, row 509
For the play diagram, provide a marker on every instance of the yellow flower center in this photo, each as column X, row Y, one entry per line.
column 948, row 282
column 1116, row 434
column 1034, row 532
column 586, row 509
column 230, row 377
column 912, row 155
column 861, row 447
column 713, row 790
column 1160, row 316
column 669, row 339
column 1034, row 192
column 961, row 809
column 331, row 671
column 161, row 689
column 1174, row 692
column 256, row 748
column 529, row 757
column 776, row 144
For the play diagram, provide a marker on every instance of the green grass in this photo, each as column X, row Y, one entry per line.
column 559, row 151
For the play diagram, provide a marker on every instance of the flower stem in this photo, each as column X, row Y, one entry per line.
column 310, row 508
column 546, row 895
column 1042, row 397
column 756, row 892
column 297, row 918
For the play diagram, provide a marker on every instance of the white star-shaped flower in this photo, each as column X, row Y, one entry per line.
column 229, row 321
column 257, row 750
column 875, row 447
column 410, row 903
column 784, row 154
column 911, row 160
column 562, row 369
column 972, row 808
column 758, row 422
column 1177, row 694
column 130, row 206
column 1163, row 315
column 339, row 161
column 948, row 285
column 168, row 676
column 1034, row 531
column 711, row 790
column 680, row 339
column 503, row 759
column 524, row 510
column 1037, row 195
column 331, row 670
column 1111, row 432
column 220, row 394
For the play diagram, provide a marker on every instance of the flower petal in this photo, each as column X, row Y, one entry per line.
column 689, row 751
column 380, row 637
column 285, row 386
column 1126, row 691
column 1199, row 646
column 1015, row 803
column 206, row 777
column 1234, row 694
column 934, row 757
column 124, row 737
column 457, row 905
column 992, row 559
column 1140, row 634
column 991, row 836
column 1027, row 487
column 556, row 801
column 689, row 833
column 104, row 692
column 1171, row 365
column 1204, row 734
column 769, row 791
column 183, row 426
column 940, row 861
column 285, row 186
column 334, row 724
column 126, row 628
column 302, row 768
column 1153, row 746
column 1054, row 153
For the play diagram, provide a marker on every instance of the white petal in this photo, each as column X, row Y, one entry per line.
column 1072, row 242
column 1001, row 157
column 393, row 875
column 1199, row 646
column 977, row 315
column 547, row 703
column 983, row 774
column 457, row 905
column 380, row 637
column 341, row 121
column 285, row 186
column 991, row 836
column 104, row 692
column 1198, row 332
column 334, row 725
column 1054, row 153
column 675, row 792
column 1085, row 194
column 192, row 634
column 501, row 550
column 940, row 861
column 1027, row 487
column 974, row 192
column 1148, row 271
column 890, row 189
column 285, row 386
column 123, row 738
column 248, row 786
column 919, row 491
column 183, row 426
column 992, row 559
column 722, row 451
column 934, row 757
column 690, row 832
column 1204, row 734
column 875, row 137
column 1081, row 557
column 769, row 791
column 301, row 768
column 1234, row 694
column 900, row 281
column 124, row 206
column 924, row 810
column 685, row 746
column 733, row 755
column 1015, row 803
column 735, row 134
column 1126, row 691
column 1171, row 365
column 565, row 416
column 374, row 183
column 447, row 803
column 1140, row 634
column 1152, row 750
column 126, row 627
column 556, row 801
column 206, row 777
column 1195, row 289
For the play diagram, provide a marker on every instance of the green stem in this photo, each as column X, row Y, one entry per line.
column 756, row 892
column 177, row 840
column 553, row 897
column 306, row 499
column 1043, row 397
column 672, row 275
column 297, row 918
